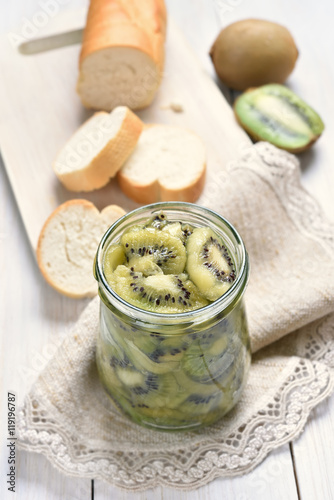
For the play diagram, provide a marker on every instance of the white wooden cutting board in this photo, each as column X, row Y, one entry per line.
column 40, row 110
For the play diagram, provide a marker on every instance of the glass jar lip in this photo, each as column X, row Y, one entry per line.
column 214, row 307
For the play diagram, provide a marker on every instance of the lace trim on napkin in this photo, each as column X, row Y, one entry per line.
column 316, row 341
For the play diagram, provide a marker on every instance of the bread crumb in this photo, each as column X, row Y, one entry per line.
column 174, row 106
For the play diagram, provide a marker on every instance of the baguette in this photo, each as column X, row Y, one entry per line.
column 168, row 164
column 122, row 55
column 67, row 246
column 98, row 149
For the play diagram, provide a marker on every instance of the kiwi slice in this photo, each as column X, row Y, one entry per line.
column 134, row 380
column 182, row 231
column 159, row 348
column 166, row 251
column 158, row 222
column 175, row 229
column 161, row 293
column 206, row 364
column 144, row 265
column 275, row 114
column 209, row 264
column 114, row 257
column 106, row 371
column 198, row 404
column 140, row 351
column 109, row 351
column 153, row 390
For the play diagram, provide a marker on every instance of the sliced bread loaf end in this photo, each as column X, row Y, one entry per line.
column 118, row 76
column 67, row 246
column 122, row 55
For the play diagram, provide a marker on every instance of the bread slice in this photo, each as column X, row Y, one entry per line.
column 98, row 149
column 168, row 164
column 67, row 246
column 122, row 55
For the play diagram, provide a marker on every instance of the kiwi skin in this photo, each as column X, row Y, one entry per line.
column 252, row 52
column 257, row 137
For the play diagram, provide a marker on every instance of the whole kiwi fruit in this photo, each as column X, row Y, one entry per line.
column 253, row 52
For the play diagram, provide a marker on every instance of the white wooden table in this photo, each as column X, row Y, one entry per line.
column 34, row 317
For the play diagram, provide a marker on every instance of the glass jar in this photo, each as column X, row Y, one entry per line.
column 174, row 371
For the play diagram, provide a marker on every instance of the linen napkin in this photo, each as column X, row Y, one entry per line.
column 290, row 305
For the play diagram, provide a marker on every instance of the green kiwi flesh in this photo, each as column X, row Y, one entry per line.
column 147, row 266
column 275, row 114
column 162, row 293
column 166, row 250
column 209, row 264
column 173, row 381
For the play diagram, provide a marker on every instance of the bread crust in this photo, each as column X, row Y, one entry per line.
column 152, row 193
column 108, row 161
column 127, row 24
column 156, row 191
column 109, row 214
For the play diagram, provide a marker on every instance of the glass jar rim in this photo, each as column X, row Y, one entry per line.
column 230, row 297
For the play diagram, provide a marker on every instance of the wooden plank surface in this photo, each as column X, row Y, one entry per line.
column 33, row 317
column 314, row 456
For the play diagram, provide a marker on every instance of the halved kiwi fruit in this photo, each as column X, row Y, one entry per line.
column 275, row 114
column 209, row 264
